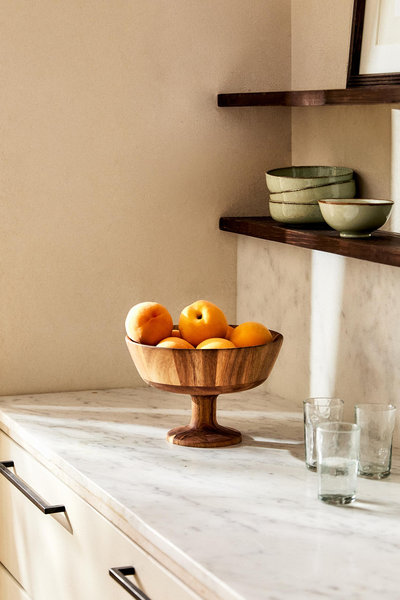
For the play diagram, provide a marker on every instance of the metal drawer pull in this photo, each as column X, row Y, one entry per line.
column 47, row 509
column 119, row 574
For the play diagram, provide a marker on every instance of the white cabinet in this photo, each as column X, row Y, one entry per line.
column 67, row 556
column 9, row 588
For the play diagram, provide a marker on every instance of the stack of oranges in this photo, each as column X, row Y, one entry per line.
column 202, row 325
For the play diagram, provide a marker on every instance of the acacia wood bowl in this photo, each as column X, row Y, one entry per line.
column 204, row 374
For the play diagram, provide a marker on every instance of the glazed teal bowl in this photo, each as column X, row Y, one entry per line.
column 295, row 214
column 345, row 189
column 288, row 179
column 355, row 217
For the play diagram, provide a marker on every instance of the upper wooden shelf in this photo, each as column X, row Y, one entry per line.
column 383, row 247
column 365, row 95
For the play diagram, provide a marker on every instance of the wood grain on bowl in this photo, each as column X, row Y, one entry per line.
column 204, row 374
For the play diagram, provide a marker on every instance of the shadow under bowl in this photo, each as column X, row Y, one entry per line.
column 355, row 217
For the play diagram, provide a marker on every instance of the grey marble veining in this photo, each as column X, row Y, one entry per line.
column 244, row 521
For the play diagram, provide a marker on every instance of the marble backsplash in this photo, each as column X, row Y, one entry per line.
column 340, row 319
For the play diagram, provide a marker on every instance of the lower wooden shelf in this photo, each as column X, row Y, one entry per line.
column 383, row 247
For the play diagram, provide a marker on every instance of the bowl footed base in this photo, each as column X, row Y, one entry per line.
column 203, row 430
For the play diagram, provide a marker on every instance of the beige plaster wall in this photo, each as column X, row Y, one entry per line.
column 115, row 165
column 320, row 43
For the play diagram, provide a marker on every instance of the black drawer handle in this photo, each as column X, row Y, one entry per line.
column 47, row 509
column 119, row 574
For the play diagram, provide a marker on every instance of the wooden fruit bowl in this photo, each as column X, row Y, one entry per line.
column 204, row 374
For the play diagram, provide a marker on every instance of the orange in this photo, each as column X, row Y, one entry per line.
column 229, row 332
column 175, row 333
column 148, row 323
column 174, row 342
column 202, row 320
column 250, row 334
column 215, row 343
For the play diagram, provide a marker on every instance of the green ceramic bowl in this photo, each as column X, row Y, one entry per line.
column 355, row 217
column 295, row 213
column 298, row 178
column 345, row 189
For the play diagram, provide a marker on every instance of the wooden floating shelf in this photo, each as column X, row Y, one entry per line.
column 383, row 247
column 368, row 95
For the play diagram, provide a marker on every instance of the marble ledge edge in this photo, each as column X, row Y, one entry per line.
column 167, row 554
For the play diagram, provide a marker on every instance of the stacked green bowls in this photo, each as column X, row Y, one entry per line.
column 295, row 191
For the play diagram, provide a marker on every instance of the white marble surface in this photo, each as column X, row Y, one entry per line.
column 244, row 521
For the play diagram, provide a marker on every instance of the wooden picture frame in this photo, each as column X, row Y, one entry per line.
column 354, row 77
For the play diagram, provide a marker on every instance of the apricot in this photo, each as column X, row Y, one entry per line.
column 201, row 321
column 176, row 333
column 215, row 343
column 229, row 332
column 250, row 333
column 148, row 323
column 175, row 342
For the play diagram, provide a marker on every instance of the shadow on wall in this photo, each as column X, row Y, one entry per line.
column 368, row 356
column 274, row 288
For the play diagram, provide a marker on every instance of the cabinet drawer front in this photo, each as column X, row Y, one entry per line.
column 68, row 555
column 9, row 588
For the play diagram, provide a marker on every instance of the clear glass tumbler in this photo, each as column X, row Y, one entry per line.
column 377, row 424
column 338, row 446
column 318, row 411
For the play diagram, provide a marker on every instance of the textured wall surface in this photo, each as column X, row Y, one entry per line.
column 340, row 319
column 115, row 166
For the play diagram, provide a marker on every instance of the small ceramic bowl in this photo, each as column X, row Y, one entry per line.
column 355, row 217
column 295, row 213
column 345, row 189
column 299, row 178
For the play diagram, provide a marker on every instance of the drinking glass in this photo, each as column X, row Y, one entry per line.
column 338, row 446
column 316, row 412
column 377, row 424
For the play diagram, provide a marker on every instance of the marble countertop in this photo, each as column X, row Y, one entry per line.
column 238, row 523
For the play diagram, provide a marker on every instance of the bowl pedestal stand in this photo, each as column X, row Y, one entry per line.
column 203, row 430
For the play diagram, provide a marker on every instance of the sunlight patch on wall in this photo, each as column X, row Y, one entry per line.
column 327, row 277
